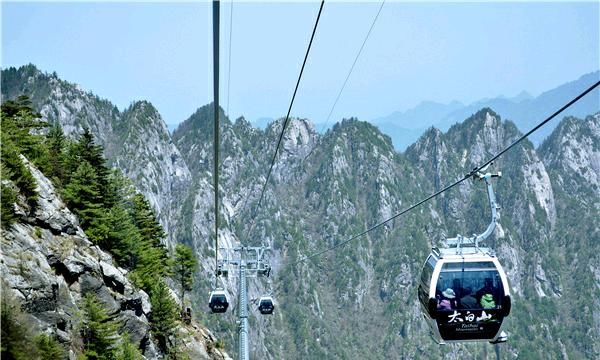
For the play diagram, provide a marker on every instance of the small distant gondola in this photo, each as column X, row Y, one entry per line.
column 218, row 301
column 266, row 305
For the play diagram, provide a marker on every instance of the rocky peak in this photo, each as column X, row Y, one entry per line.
column 574, row 149
column 300, row 134
column 484, row 134
column 164, row 176
column 61, row 102
column 194, row 137
column 429, row 149
column 299, row 137
column 141, row 117
column 15, row 79
column 241, row 122
column 200, row 122
column 361, row 131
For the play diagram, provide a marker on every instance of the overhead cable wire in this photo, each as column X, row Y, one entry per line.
column 457, row 182
column 348, row 75
column 216, row 16
column 287, row 117
column 353, row 64
column 383, row 222
column 567, row 105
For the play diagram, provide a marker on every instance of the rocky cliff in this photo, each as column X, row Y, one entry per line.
column 49, row 264
column 136, row 140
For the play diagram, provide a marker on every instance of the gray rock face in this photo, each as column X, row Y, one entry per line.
column 136, row 140
column 578, row 154
column 51, row 209
column 49, row 265
column 146, row 154
column 134, row 325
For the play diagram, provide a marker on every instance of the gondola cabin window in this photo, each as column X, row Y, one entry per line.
column 426, row 275
column 469, row 285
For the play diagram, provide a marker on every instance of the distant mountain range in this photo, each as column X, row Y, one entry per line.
column 405, row 127
column 525, row 110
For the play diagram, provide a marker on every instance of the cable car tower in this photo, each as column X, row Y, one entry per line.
column 463, row 289
column 250, row 263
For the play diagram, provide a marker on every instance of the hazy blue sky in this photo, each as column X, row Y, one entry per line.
column 161, row 52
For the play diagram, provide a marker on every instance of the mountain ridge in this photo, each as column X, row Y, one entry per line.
column 325, row 188
column 405, row 127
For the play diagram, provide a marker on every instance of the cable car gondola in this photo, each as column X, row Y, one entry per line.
column 218, row 301
column 266, row 305
column 465, row 297
column 463, row 290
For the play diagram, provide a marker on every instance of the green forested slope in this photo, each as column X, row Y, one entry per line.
column 360, row 301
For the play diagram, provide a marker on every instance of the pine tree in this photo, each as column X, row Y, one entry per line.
column 82, row 195
column 99, row 332
column 56, row 143
column 16, row 171
column 8, row 198
column 152, row 261
column 184, row 266
column 86, row 150
column 91, row 152
column 127, row 350
column 151, row 265
column 123, row 188
column 72, row 160
column 48, row 347
column 123, row 238
column 145, row 220
column 20, row 124
column 163, row 317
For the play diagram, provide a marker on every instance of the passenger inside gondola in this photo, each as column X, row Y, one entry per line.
column 471, row 289
column 468, row 301
column 448, row 300
column 487, row 295
column 457, row 287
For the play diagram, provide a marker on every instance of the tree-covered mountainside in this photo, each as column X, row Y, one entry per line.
column 360, row 301
column 56, row 298
column 134, row 136
column 353, row 179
